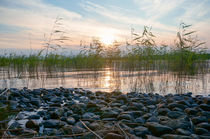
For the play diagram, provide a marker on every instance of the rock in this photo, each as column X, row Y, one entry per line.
column 51, row 124
column 122, row 97
column 32, row 125
column 204, row 125
column 113, row 136
column 55, row 115
column 56, row 100
column 124, row 116
column 205, row 107
column 109, row 119
column 201, row 131
column 35, row 101
column 70, row 120
column 13, row 104
column 141, row 131
column 163, row 111
column 139, row 120
column 158, row 129
column 42, row 113
column 206, row 100
column 199, row 119
column 110, row 114
column 34, row 117
column 152, row 137
column 90, row 115
column 173, row 105
column 178, row 123
column 180, row 131
column 191, row 111
column 172, row 136
column 78, row 130
column 153, row 119
column 175, row 114
column 80, row 124
column 94, row 126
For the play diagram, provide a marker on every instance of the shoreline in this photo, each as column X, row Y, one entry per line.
column 74, row 112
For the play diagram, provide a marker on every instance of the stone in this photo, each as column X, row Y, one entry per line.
column 113, row 136
column 94, row 126
column 78, row 130
column 158, row 129
column 90, row 115
column 204, row 125
column 32, row 125
column 172, row 136
column 110, row 114
column 141, row 131
column 175, row 114
column 124, row 116
column 34, row 117
column 201, row 131
column 205, row 107
column 173, row 105
column 180, row 131
column 35, row 101
column 199, row 119
column 70, row 120
column 51, row 124
column 152, row 137
column 153, row 119
column 191, row 111
column 139, row 120
column 163, row 111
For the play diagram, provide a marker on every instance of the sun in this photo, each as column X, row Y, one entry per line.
column 107, row 39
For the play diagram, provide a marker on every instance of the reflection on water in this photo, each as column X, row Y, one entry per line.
column 109, row 80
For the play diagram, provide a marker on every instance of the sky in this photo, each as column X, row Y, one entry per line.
column 27, row 24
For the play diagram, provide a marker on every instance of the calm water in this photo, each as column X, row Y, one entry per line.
column 109, row 80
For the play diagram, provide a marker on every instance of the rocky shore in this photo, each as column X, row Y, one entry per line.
column 75, row 113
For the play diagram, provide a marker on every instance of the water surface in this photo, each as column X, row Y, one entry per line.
column 108, row 79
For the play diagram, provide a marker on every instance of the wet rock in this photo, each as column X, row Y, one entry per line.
column 78, row 130
column 201, row 131
column 172, row 136
column 32, row 125
column 158, row 129
column 124, row 116
column 90, row 115
column 139, row 120
column 56, row 100
column 94, row 126
column 113, row 136
column 34, row 117
column 191, row 111
column 153, row 119
column 199, row 119
column 51, row 123
column 204, row 125
column 110, row 114
column 70, row 120
column 152, row 137
column 141, row 131
column 163, row 111
column 180, row 131
column 205, row 107
column 109, row 119
column 175, row 114
column 42, row 113
column 35, row 101
column 176, row 105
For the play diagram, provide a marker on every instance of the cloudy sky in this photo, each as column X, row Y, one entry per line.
column 26, row 23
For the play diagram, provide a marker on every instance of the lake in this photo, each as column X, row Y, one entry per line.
column 107, row 79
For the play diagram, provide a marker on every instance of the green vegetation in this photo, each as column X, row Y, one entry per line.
column 185, row 57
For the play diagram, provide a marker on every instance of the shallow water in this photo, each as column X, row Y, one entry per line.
column 108, row 80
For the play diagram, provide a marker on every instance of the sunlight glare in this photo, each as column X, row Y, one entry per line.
column 107, row 39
